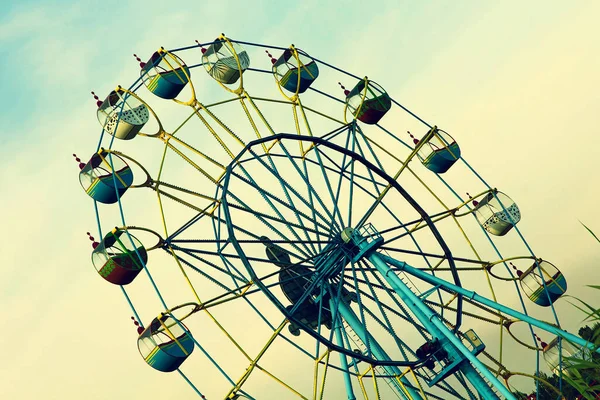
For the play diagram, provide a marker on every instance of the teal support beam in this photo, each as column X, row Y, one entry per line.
column 434, row 280
column 337, row 329
column 452, row 344
column 380, row 354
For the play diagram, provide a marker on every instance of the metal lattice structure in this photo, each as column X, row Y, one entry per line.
column 309, row 232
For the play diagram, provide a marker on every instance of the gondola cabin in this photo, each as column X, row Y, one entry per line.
column 543, row 285
column 368, row 102
column 165, row 343
column 439, row 152
column 119, row 257
column 106, row 177
column 560, row 364
column 295, row 71
column 225, row 61
column 497, row 213
column 122, row 115
column 165, row 74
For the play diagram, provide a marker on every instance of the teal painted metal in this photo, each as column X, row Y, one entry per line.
column 356, row 325
column 337, row 328
column 438, row 328
column 434, row 280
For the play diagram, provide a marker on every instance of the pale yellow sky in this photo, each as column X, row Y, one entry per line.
column 516, row 84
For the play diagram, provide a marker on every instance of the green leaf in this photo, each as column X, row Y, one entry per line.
column 590, row 231
column 593, row 315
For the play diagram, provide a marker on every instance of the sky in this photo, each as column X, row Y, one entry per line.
column 515, row 83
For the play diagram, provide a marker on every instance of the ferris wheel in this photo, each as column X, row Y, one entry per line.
column 310, row 241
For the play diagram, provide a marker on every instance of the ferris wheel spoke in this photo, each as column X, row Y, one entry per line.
column 265, row 218
column 377, row 186
column 337, row 329
column 351, row 193
column 220, row 253
column 383, row 205
column 283, row 185
column 372, row 153
column 350, row 177
column 418, row 225
column 267, row 199
column 436, row 256
column 355, row 176
column 397, row 313
column 416, row 222
column 305, row 177
column 208, row 276
column 278, row 219
column 467, row 313
column 244, row 291
column 460, row 377
column 402, row 347
column 311, row 192
column 365, row 191
column 341, row 173
column 312, row 205
column 446, row 387
column 229, row 265
column 288, row 188
column 336, row 211
column 402, row 225
column 374, row 299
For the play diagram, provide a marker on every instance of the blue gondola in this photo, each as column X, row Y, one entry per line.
column 545, row 288
column 103, row 183
column 165, row 344
column 165, row 75
column 295, row 71
column 440, row 151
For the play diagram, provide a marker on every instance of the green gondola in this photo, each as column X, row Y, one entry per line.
column 119, row 258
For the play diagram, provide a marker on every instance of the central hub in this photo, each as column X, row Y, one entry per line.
column 337, row 255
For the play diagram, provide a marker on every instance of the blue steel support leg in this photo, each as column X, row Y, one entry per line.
column 337, row 327
column 449, row 341
column 434, row 280
column 352, row 320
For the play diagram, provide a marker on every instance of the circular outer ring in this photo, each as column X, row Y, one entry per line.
column 381, row 174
